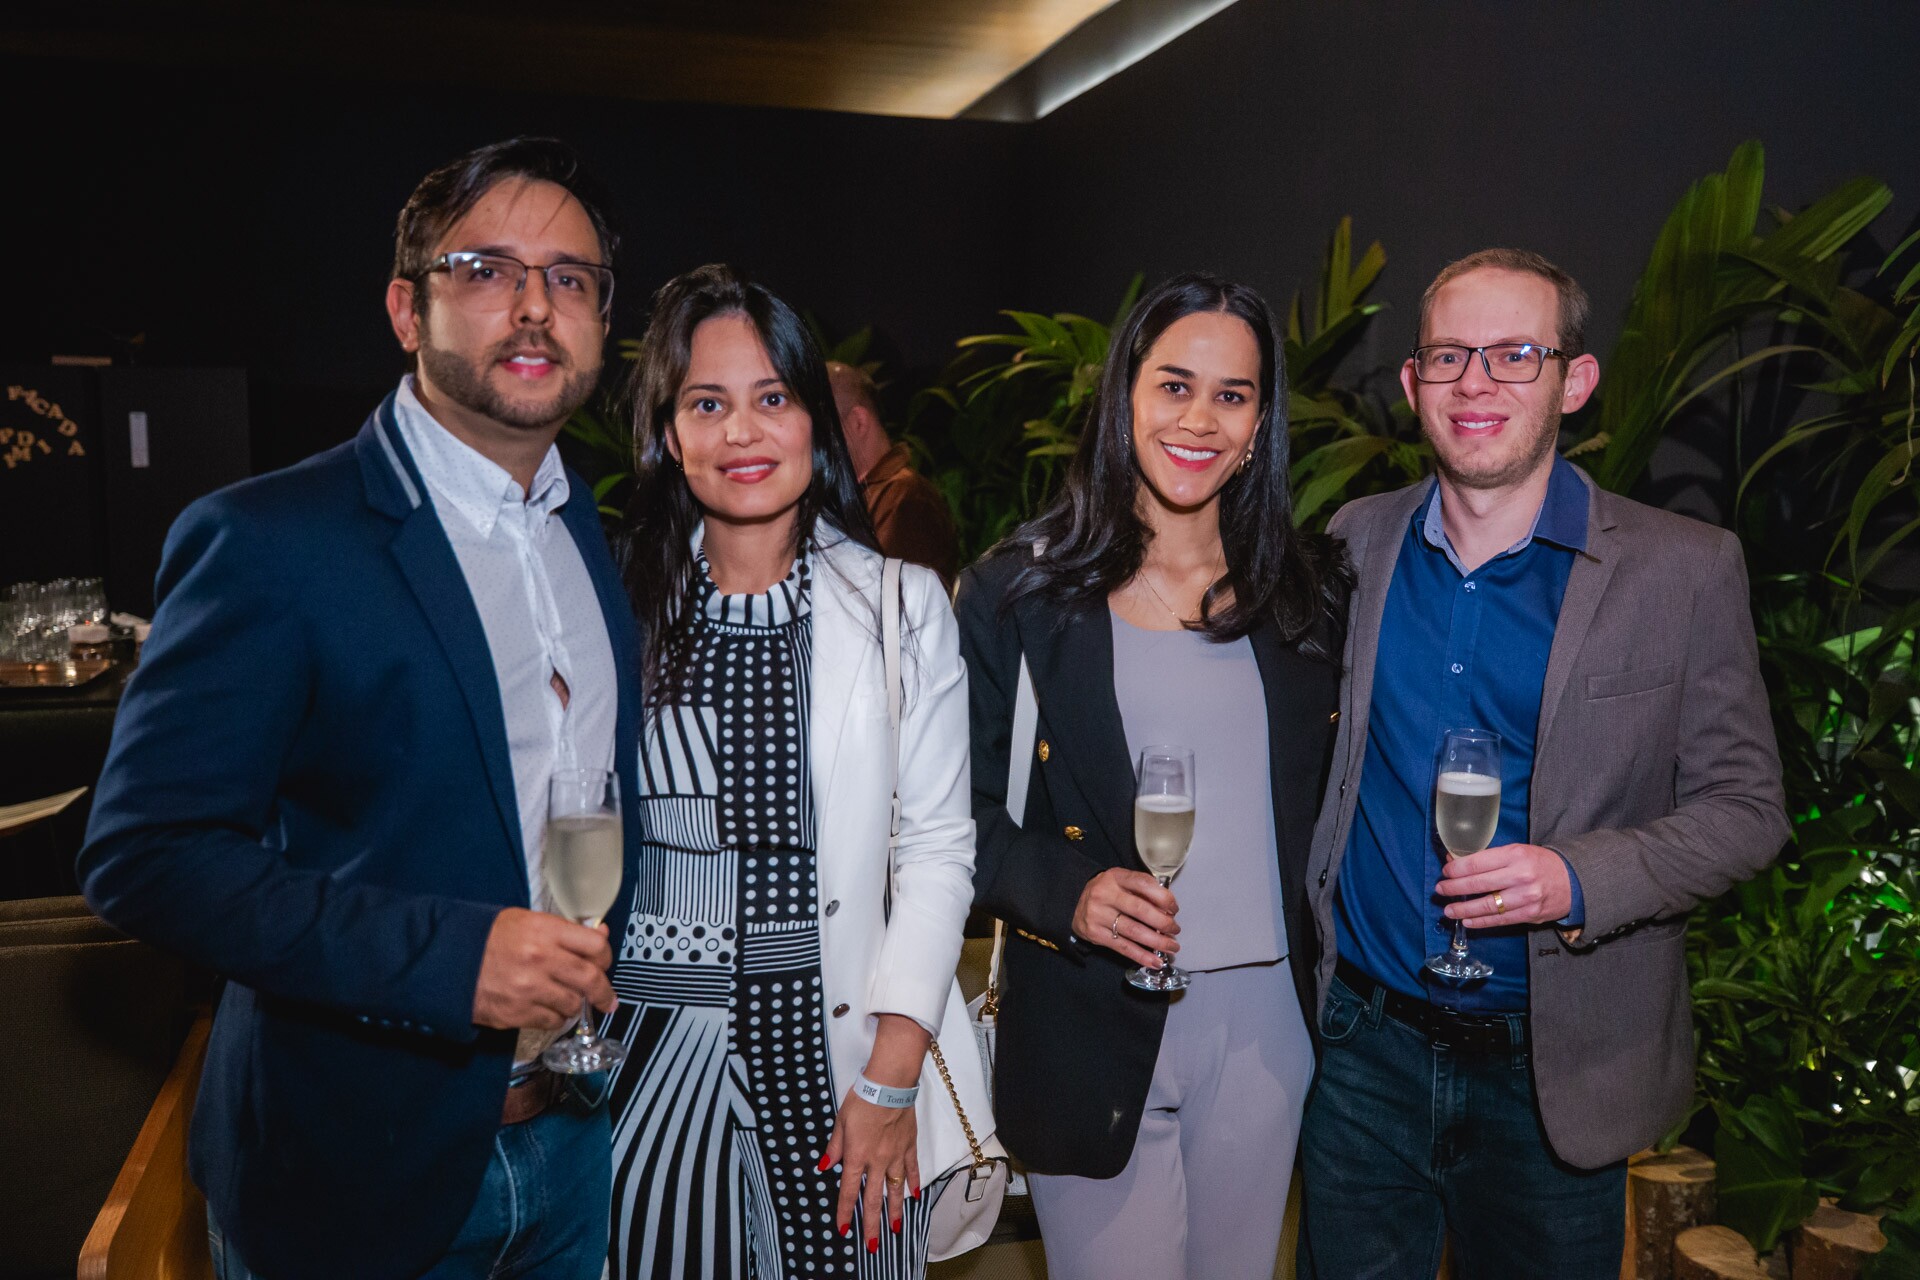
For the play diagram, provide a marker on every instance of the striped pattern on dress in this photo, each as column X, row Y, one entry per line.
column 726, row 1098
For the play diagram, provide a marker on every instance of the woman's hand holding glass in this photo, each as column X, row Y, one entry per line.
column 1128, row 912
column 876, row 1146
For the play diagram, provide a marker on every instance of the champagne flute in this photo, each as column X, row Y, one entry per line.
column 1162, row 830
column 1466, row 812
column 582, row 862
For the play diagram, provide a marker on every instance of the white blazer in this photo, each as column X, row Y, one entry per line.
column 871, row 964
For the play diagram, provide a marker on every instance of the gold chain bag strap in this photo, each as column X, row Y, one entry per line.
column 958, row 1222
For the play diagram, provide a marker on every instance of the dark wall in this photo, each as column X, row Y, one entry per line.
column 1443, row 128
column 246, row 220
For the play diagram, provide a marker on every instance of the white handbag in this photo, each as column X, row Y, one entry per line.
column 966, row 1209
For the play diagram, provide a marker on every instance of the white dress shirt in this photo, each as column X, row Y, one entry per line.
column 537, row 605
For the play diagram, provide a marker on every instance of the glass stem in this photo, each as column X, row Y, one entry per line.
column 1459, row 948
column 584, row 1032
column 1165, row 963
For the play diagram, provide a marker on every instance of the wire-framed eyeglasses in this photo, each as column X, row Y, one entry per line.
column 491, row 281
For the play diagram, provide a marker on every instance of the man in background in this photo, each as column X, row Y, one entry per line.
column 908, row 513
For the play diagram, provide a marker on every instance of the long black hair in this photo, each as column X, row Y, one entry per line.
column 657, row 544
column 1095, row 540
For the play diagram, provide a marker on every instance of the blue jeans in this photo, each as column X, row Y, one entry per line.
column 1404, row 1145
column 543, row 1207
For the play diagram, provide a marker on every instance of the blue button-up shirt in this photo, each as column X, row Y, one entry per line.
column 1457, row 650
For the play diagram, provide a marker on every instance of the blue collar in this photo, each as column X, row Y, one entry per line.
column 1561, row 519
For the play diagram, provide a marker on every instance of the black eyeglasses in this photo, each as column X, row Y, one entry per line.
column 1503, row 361
column 491, row 281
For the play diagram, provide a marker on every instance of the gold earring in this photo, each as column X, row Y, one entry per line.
column 1246, row 460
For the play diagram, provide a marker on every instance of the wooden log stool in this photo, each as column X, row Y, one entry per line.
column 1834, row 1244
column 1666, row 1194
column 1721, row 1253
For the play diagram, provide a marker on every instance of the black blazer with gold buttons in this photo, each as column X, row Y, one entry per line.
column 1077, row 1044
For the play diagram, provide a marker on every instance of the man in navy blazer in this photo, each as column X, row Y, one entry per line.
column 328, row 778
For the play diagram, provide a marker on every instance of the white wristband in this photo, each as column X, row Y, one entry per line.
column 884, row 1095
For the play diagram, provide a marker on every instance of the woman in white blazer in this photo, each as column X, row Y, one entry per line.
column 775, row 1115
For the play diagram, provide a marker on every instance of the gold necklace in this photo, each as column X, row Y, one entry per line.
column 1163, row 600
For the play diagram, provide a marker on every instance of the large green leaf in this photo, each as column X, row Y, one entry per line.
column 1711, row 274
column 1900, row 1260
column 1761, row 1185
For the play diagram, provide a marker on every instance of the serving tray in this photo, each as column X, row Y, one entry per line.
column 70, row 674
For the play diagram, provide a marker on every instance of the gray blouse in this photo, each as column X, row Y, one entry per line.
column 1179, row 688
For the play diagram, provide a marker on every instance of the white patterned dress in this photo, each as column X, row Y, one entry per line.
column 726, row 1100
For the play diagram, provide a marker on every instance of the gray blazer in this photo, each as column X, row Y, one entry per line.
column 1655, row 775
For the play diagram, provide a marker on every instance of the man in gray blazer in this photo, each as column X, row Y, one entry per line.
column 1611, row 647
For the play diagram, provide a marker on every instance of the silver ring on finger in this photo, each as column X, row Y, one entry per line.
column 1115, row 930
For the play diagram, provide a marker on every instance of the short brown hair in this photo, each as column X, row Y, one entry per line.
column 449, row 192
column 1574, row 307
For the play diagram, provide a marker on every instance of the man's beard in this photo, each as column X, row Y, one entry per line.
column 464, row 382
column 1515, row 469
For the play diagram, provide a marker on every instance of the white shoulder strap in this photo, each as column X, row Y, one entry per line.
column 890, row 657
column 1020, row 747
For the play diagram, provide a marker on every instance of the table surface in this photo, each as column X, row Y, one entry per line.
column 103, row 692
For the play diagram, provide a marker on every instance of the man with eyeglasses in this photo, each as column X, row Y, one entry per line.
column 329, row 777
column 1611, row 648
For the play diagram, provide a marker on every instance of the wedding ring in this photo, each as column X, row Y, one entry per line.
column 1115, row 931
column 900, row 1181
column 1499, row 904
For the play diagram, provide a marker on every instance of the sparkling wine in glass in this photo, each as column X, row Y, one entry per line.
column 1466, row 811
column 1162, row 830
column 582, row 861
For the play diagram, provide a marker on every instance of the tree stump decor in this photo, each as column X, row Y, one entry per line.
column 1834, row 1244
column 1718, row 1253
column 1666, row 1194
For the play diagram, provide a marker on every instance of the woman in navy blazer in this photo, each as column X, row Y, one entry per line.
column 1164, row 593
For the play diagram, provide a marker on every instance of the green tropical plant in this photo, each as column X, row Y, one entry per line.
column 605, row 435
column 1713, row 276
column 994, row 433
column 1900, row 1260
column 1807, row 978
column 1345, row 443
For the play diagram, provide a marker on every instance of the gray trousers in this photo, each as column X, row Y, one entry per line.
column 1205, row 1192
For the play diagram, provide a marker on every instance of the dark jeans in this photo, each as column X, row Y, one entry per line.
column 1404, row 1145
column 543, row 1208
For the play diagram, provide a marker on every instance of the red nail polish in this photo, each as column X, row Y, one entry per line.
column 847, row 1229
column 873, row 1245
column 823, row 1166
column 916, row 1193
column 896, row 1226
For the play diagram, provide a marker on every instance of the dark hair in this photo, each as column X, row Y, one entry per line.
column 449, row 192
column 656, row 544
column 1574, row 307
column 1095, row 540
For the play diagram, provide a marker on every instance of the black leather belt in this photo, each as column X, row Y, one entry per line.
column 1492, row 1033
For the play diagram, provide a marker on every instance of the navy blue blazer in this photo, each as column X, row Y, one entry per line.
column 310, row 792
